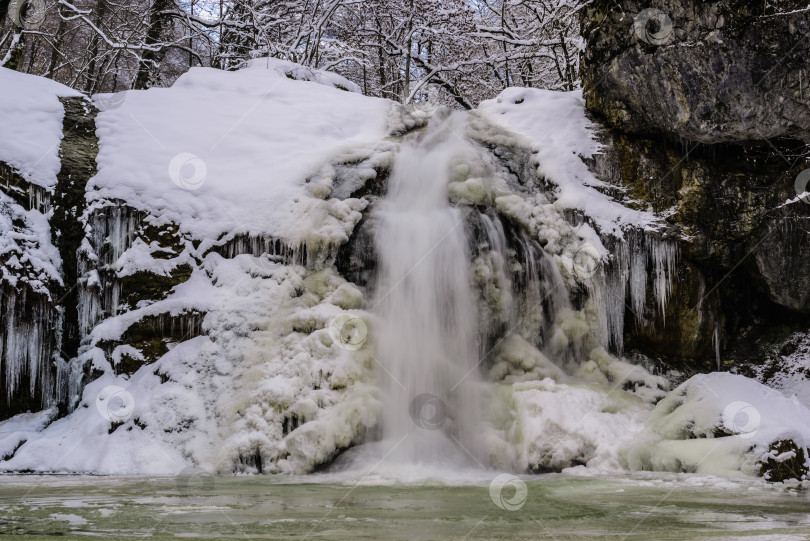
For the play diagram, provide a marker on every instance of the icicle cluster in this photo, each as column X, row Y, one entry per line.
column 640, row 264
column 27, row 343
column 39, row 198
column 30, row 331
column 279, row 251
column 112, row 230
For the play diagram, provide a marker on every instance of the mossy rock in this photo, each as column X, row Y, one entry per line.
column 167, row 237
column 784, row 461
column 144, row 285
column 152, row 335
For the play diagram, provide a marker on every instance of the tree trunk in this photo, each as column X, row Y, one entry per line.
column 148, row 70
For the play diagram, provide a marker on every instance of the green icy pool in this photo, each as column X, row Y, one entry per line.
column 256, row 507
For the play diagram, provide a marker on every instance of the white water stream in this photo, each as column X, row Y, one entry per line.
column 428, row 338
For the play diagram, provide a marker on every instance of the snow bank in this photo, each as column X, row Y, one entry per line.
column 291, row 70
column 719, row 423
column 273, row 151
column 16, row 430
column 31, row 125
column 231, row 152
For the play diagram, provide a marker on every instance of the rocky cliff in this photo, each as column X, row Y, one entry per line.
column 706, row 115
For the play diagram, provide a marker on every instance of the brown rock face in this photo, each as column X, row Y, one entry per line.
column 707, row 114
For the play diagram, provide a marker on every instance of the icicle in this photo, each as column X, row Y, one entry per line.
column 638, row 279
column 26, row 342
column 278, row 250
column 39, row 199
column 616, row 287
column 75, row 381
column 598, row 298
column 664, row 257
column 12, row 356
column 716, row 344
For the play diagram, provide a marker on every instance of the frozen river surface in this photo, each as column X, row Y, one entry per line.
column 334, row 508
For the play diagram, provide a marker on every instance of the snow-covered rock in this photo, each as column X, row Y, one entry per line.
column 31, row 125
column 722, row 423
column 229, row 153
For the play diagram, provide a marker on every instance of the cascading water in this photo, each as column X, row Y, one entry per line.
column 457, row 297
column 428, row 338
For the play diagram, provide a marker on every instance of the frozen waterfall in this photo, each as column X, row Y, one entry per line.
column 428, row 334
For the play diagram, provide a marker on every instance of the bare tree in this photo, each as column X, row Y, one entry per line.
column 456, row 52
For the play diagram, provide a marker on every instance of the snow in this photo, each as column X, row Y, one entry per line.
column 16, row 430
column 554, row 125
column 31, row 125
column 265, row 146
column 26, row 251
column 718, row 423
column 789, row 369
column 563, row 425
column 197, row 293
column 216, row 400
column 291, row 70
column 230, row 152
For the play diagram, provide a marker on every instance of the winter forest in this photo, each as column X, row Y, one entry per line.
column 405, row 269
column 447, row 52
